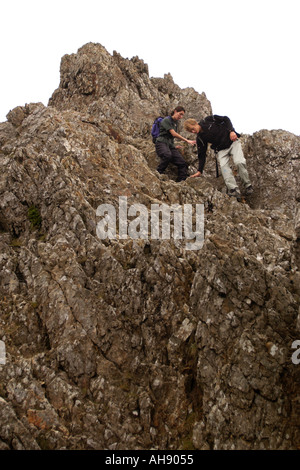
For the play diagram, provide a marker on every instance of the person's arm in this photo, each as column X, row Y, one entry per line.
column 202, row 159
column 232, row 134
column 202, row 149
column 178, row 136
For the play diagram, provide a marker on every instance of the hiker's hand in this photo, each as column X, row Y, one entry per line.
column 195, row 175
column 233, row 136
column 191, row 142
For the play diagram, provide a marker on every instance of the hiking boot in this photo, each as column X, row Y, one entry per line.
column 235, row 193
column 249, row 190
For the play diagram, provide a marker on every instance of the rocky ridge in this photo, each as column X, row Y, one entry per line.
column 140, row 343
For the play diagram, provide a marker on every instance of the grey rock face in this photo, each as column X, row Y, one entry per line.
column 140, row 343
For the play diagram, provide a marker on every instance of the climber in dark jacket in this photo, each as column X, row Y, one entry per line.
column 165, row 147
column 220, row 133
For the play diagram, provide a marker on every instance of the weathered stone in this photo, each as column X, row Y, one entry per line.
column 140, row 343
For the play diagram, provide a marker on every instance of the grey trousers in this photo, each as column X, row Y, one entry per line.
column 236, row 151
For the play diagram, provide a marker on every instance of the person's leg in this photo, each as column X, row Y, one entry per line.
column 240, row 162
column 164, row 153
column 178, row 160
column 229, row 179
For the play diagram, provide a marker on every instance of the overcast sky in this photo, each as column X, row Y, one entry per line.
column 244, row 54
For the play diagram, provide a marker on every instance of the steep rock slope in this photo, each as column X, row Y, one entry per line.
column 141, row 343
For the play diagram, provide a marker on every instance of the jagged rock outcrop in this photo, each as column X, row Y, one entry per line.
column 119, row 91
column 141, row 343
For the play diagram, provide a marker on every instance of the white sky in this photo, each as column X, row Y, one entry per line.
column 244, row 54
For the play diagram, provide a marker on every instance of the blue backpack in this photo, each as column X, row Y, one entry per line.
column 155, row 128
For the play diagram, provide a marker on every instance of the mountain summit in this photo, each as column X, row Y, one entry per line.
column 136, row 342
